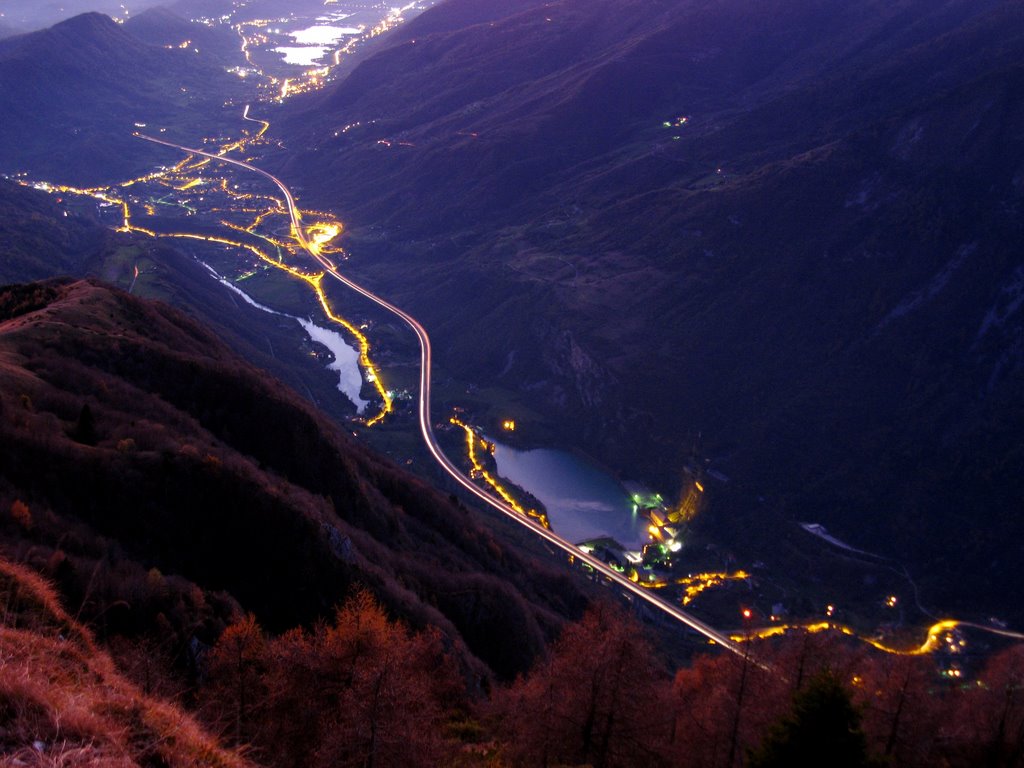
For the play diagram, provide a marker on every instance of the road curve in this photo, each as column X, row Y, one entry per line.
column 427, row 430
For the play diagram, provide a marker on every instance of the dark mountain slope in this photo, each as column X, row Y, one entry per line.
column 198, row 465
column 38, row 241
column 163, row 27
column 73, row 93
column 501, row 110
column 817, row 272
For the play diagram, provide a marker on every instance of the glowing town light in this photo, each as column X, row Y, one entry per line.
column 322, row 233
column 478, row 470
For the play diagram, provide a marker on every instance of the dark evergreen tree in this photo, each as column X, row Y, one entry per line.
column 822, row 728
column 84, row 430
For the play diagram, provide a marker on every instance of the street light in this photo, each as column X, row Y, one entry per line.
column 746, row 613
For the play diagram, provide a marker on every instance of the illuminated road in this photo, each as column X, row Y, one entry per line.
column 264, row 123
column 427, row 430
column 933, row 639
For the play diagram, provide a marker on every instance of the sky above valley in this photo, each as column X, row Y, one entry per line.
column 26, row 15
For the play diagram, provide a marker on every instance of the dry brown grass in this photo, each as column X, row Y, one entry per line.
column 63, row 703
column 28, row 601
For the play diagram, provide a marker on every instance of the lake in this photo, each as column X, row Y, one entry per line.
column 303, row 56
column 322, row 34
column 583, row 501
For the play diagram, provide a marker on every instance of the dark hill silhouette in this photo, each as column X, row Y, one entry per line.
column 162, row 26
column 73, row 93
column 38, row 241
column 129, row 419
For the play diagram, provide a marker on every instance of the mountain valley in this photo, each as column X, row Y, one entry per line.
column 511, row 382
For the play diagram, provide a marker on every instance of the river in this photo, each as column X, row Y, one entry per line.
column 346, row 357
column 346, row 361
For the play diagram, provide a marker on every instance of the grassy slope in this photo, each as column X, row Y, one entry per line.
column 63, row 701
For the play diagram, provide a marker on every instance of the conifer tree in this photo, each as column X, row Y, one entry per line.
column 822, row 728
column 84, row 430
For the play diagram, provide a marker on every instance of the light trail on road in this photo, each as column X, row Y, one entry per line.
column 932, row 642
column 427, row 431
column 477, row 467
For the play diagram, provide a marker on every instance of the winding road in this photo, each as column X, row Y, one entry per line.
column 426, row 429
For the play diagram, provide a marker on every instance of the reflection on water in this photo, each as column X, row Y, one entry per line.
column 304, row 56
column 346, row 357
column 313, row 43
column 582, row 501
column 322, row 35
column 346, row 361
